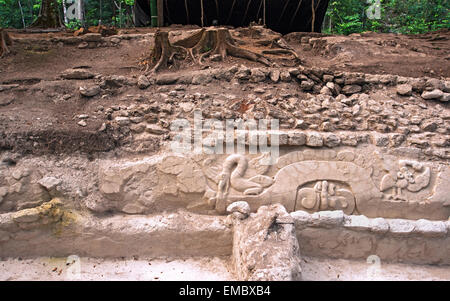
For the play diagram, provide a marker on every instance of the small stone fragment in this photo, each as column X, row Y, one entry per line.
column 90, row 91
column 404, row 90
column 351, row 89
column 26, row 216
column 77, row 74
column 285, row 76
column 296, row 138
column 143, row 82
column 274, row 75
column 240, row 206
column 155, row 129
column 314, row 140
column 435, row 94
column 49, row 182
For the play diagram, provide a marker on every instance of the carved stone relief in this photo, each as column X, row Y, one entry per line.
column 339, row 185
column 301, row 180
column 325, row 195
column 411, row 175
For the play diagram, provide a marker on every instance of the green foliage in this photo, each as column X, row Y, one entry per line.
column 206, row 49
column 111, row 12
column 399, row 16
column 74, row 24
column 351, row 24
column 11, row 15
column 342, row 17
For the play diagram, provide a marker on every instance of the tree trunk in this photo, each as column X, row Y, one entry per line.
column 21, row 13
column 4, row 42
column 65, row 11
column 49, row 15
column 82, row 13
column 164, row 52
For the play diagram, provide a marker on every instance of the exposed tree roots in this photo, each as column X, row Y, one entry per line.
column 5, row 40
column 219, row 42
column 204, row 43
column 279, row 46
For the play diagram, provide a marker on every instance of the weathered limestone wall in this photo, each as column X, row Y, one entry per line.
column 52, row 230
column 367, row 180
column 270, row 233
column 336, row 235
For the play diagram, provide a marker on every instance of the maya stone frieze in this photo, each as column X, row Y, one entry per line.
column 368, row 182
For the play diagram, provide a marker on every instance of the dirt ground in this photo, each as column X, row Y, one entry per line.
column 86, row 269
column 203, row 269
column 45, row 107
column 376, row 53
column 320, row 269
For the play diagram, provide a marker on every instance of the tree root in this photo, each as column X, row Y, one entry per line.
column 279, row 46
column 219, row 42
column 191, row 40
column 210, row 42
column 5, row 40
column 281, row 51
column 163, row 53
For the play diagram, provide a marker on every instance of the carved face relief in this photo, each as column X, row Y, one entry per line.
column 325, row 195
column 412, row 176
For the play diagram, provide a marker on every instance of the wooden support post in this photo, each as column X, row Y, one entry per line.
column 187, row 11
column 264, row 16
column 160, row 6
column 231, row 11
column 202, row 15
column 295, row 13
column 246, row 11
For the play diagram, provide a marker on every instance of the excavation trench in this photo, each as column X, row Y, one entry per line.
column 235, row 243
column 362, row 171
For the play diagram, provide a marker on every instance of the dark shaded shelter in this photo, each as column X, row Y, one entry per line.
column 142, row 15
column 283, row 16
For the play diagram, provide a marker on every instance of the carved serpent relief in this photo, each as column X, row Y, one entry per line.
column 300, row 180
column 319, row 185
column 339, row 185
column 232, row 175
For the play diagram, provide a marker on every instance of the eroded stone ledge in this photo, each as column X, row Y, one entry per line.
column 336, row 235
column 25, row 234
column 265, row 245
